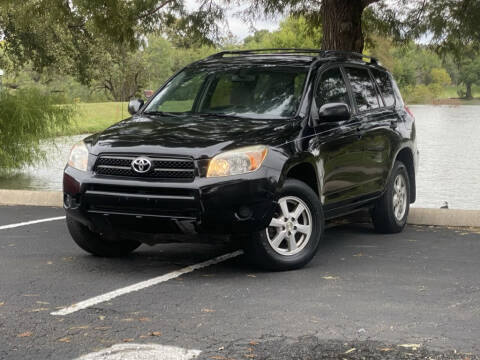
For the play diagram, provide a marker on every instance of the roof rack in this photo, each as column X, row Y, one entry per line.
column 257, row 51
column 348, row 54
column 293, row 51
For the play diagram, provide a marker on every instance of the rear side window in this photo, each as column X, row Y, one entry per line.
column 363, row 89
column 385, row 85
column 331, row 88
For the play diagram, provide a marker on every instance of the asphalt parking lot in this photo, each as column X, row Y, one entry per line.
column 364, row 295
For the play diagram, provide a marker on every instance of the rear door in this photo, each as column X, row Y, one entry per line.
column 375, row 120
column 382, row 132
column 339, row 148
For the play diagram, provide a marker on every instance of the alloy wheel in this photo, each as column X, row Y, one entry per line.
column 291, row 226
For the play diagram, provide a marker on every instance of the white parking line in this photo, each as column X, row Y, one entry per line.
column 4, row 227
column 143, row 284
column 142, row 352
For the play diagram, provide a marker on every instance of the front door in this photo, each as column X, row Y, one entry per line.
column 339, row 147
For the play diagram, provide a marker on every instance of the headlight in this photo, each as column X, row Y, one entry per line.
column 79, row 156
column 239, row 161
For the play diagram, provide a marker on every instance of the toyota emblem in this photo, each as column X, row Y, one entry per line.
column 141, row 165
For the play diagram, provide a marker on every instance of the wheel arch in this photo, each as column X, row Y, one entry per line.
column 303, row 170
column 405, row 155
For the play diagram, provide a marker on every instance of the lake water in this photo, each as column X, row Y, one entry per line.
column 448, row 140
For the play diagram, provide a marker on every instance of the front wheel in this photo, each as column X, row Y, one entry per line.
column 97, row 244
column 391, row 210
column 292, row 238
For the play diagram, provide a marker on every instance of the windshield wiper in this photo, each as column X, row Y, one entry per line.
column 223, row 115
column 161, row 113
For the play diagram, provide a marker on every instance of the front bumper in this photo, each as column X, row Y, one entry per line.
column 124, row 207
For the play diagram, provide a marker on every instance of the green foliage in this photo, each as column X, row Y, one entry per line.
column 293, row 32
column 72, row 36
column 470, row 71
column 26, row 118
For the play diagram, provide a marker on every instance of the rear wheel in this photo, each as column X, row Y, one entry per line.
column 391, row 210
column 97, row 244
column 293, row 235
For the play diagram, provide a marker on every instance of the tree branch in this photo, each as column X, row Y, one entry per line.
column 153, row 11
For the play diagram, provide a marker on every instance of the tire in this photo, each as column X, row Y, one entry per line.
column 97, row 244
column 390, row 213
column 259, row 246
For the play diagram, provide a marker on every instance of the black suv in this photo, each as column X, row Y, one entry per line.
column 260, row 146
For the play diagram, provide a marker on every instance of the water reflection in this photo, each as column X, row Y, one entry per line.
column 47, row 175
column 448, row 140
column 449, row 144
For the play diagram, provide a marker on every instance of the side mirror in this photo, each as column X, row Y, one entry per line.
column 135, row 105
column 334, row 112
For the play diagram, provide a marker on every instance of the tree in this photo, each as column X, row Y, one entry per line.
column 293, row 32
column 470, row 74
column 69, row 34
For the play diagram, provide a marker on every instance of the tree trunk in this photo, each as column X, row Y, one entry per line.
column 342, row 24
column 469, row 95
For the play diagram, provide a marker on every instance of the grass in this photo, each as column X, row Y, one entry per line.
column 95, row 117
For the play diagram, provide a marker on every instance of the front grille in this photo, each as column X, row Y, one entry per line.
column 162, row 168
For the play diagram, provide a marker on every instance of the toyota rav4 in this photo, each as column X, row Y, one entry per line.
column 260, row 147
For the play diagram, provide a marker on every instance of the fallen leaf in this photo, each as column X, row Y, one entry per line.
column 208, row 310
column 79, row 327
column 25, row 334
column 252, row 276
column 386, row 349
column 49, row 262
column 156, row 333
column 38, row 310
column 330, row 277
column 101, row 317
column 128, row 319
column 250, row 356
column 128, row 340
column 410, row 346
column 144, row 319
column 2, row 303
column 218, row 357
column 253, row 342
column 358, row 255
column 65, row 339
column 351, row 350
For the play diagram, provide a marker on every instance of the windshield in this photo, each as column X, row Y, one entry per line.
column 253, row 92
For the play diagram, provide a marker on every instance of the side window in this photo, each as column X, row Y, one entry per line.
column 363, row 88
column 331, row 88
column 385, row 85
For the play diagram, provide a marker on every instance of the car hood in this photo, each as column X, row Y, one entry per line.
column 194, row 136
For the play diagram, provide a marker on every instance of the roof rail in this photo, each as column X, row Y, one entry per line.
column 293, row 51
column 257, row 51
column 349, row 54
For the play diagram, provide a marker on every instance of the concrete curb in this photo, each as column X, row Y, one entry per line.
column 418, row 216
column 32, row 198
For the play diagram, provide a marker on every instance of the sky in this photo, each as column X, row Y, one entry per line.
column 237, row 26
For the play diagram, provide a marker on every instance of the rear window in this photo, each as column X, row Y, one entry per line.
column 363, row 88
column 385, row 85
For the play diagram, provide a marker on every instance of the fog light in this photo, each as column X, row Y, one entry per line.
column 67, row 201
column 244, row 213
